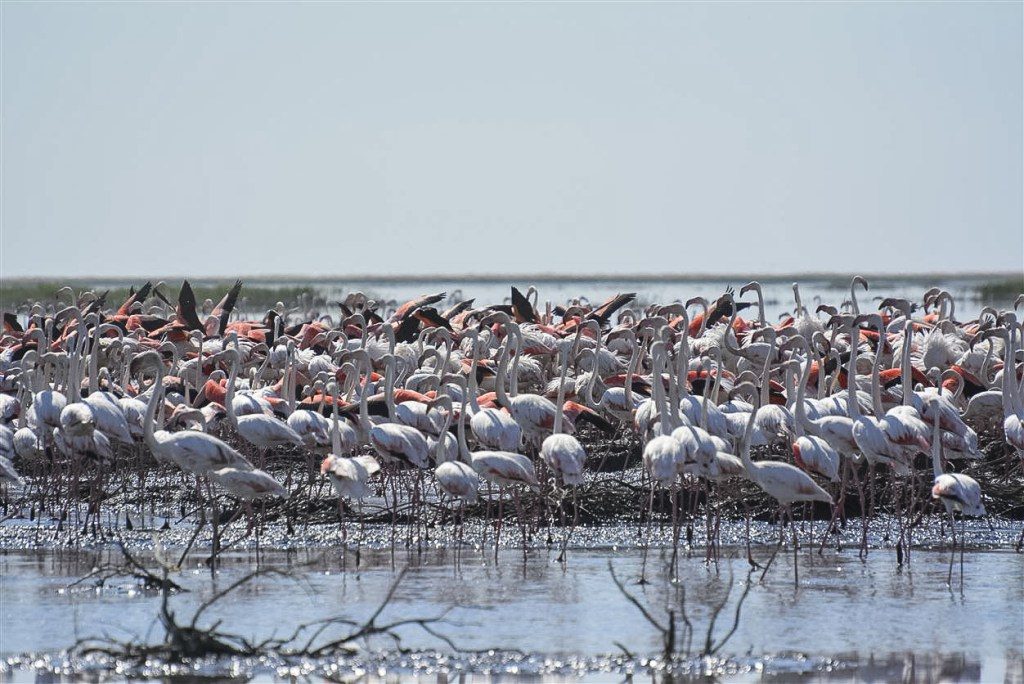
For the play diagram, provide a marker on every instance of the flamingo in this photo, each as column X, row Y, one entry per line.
column 494, row 428
column 258, row 429
column 194, row 452
column 785, row 483
column 1013, row 406
column 106, row 410
column 812, row 454
column 663, row 455
column 534, row 413
column 958, row 492
column 868, row 432
column 7, row 472
column 902, row 425
column 312, row 428
column 395, row 442
column 457, row 478
column 505, row 468
column 350, row 475
column 248, row 485
column 620, row 402
column 563, row 453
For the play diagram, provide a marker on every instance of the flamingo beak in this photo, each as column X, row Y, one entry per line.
column 326, row 464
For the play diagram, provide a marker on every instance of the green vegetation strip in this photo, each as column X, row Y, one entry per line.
column 1001, row 290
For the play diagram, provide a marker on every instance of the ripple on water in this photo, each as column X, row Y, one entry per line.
column 848, row 619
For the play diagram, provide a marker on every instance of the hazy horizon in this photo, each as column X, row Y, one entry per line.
column 310, row 140
column 514, row 278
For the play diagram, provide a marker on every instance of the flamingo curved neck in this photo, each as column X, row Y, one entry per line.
column 289, row 380
column 718, row 373
column 463, row 447
column 851, row 378
column 788, row 378
column 748, row 432
column 765, row 385
column 229, row 397
column 682, row 370
column 876, row 390
column 1009, row 374
column 439, row 452
column 499, row 385
column 335, row 423
column 473, row 386
column 594, row 372
column 389, row 387
column 364, row 413
column 634, row 361
column 801, row 391
column 149, row 425
column 557, row 428
column 514, row 381
column 658, row 395
column 94, row 360
column 937, row 449
column 905, row 363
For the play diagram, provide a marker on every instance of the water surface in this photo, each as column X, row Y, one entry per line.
column 844, row 609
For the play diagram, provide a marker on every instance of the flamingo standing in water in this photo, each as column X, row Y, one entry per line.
column 958, row 492
column 494, row 428
column 663, row 455
column 349, row 476
column 457, row 478
column 505, row 469
column 812, row 454
column 534, row 413
column 258, row 429
column 194, row 452
column 785, row 483
column 394, row 441
column 248, row 486
column 1013, row 403
column 563, row 453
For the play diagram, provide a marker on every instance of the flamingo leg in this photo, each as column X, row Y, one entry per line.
column 796, row 548
column 778, row 545
column 840, row 502
column 647, row 536
column 963, row 540
column 952, row 550
column 501, row 517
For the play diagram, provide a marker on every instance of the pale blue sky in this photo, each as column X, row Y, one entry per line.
column 235, row 138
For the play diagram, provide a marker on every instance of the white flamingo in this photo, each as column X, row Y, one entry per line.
column 194, row 452
column 563, row 453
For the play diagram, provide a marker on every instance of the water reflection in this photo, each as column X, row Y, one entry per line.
column 846, row 613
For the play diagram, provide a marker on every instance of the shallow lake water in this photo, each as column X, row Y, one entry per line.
column 778, row 292
column 849, row 619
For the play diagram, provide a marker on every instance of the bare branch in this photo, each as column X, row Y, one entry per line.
column 736, row 617
column 639, row 606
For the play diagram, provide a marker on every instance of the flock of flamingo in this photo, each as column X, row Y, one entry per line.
column 424, row 403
